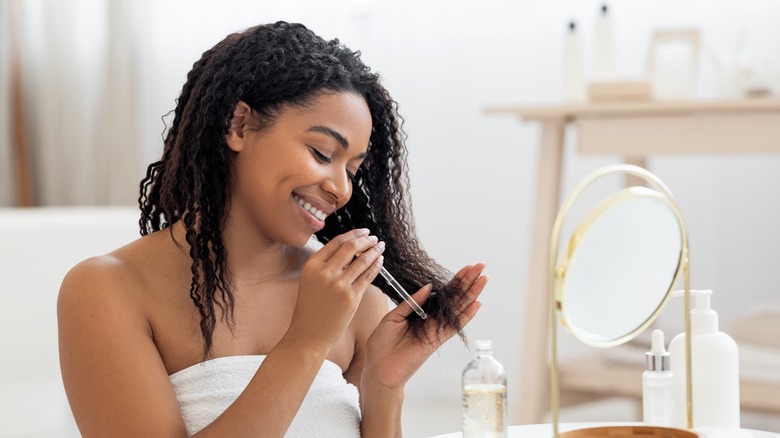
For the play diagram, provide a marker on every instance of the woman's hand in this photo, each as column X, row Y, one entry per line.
column 394, row 354
column 332, row 284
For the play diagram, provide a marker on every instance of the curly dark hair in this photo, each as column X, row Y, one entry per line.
column 271, row 67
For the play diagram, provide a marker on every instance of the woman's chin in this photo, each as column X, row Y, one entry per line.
column 301, row 240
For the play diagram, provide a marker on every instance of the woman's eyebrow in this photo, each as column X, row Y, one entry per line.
column 330, row 132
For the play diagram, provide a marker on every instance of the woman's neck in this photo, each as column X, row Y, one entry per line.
column 250, row 260
column 254, row 258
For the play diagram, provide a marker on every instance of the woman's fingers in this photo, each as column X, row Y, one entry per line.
column 467, row 308
column 369, row 274
column 458, row 278
column 404, row 309
column 350, row 249
column 351, row 256
column 466, row 276
column 471, row 276
column 469, row 312
column 466, row 280
column 363, row 261
column 330, row 248
column 471, row 295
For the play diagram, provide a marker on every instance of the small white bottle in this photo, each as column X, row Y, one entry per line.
column 657, row 384
column 573, row 82
column 484, row 395
column 604, row 61
column 714, row 370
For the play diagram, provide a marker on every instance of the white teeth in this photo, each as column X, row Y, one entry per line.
column 319, row 214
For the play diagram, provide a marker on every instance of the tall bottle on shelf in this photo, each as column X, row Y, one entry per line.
column 484, row 395
column 604, row 50
column 573, row 81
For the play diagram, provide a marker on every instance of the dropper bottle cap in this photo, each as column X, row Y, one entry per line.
column 657, row 359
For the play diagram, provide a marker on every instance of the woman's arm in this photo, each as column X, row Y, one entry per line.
column 391, row 355
column 380, row 407
column 114, row 376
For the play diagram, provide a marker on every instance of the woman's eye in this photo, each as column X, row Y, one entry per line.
column 320, row 156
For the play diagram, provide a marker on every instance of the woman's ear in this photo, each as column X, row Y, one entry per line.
column 238, row 124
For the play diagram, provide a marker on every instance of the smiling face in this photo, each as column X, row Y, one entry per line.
column 289, row 176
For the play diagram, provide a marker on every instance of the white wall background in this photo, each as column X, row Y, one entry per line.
column 473, row 175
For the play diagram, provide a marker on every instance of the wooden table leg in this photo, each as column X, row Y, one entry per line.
column 534, row 388
column 631, row 180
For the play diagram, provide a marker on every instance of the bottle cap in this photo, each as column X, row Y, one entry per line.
column 484, row 345
column 657, row 359
column 703, row 318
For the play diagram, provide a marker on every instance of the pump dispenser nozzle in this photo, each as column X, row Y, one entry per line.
column 703, row 318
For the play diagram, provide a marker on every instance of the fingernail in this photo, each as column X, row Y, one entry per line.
column 373, row 239
column 487, row 278
column 364, row 232
column 380, row 246
column 380, row 259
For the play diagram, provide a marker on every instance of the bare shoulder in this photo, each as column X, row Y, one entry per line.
column 103, row 268
column 120, row 278
column 105, row 344
column 99, row 283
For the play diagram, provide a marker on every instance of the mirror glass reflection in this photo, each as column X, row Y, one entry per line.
column 621, row 264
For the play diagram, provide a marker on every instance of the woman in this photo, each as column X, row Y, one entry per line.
column 224, row 319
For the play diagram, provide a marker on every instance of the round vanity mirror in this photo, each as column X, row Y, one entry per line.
column 619, row 267
column 614, row 274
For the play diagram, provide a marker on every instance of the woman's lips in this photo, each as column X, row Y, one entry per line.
column 314, row 217
column 319, row 214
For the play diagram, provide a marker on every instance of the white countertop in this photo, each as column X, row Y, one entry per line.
column 545, row 431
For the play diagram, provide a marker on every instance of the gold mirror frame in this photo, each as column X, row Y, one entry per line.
column 557, row 275
column 587, row 224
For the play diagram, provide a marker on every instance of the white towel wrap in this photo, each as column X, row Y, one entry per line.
column 331, row 407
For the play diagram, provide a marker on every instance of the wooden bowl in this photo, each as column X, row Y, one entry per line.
column 629, row 432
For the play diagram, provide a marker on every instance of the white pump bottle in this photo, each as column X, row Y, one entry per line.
column 714, row 370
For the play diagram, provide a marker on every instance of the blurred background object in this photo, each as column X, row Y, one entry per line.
column 37, row 247
column 673, row 63
column 97, row 76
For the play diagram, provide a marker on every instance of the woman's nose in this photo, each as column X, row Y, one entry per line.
column 338, row 185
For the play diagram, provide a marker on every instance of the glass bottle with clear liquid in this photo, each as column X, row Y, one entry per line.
column 484, row 395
